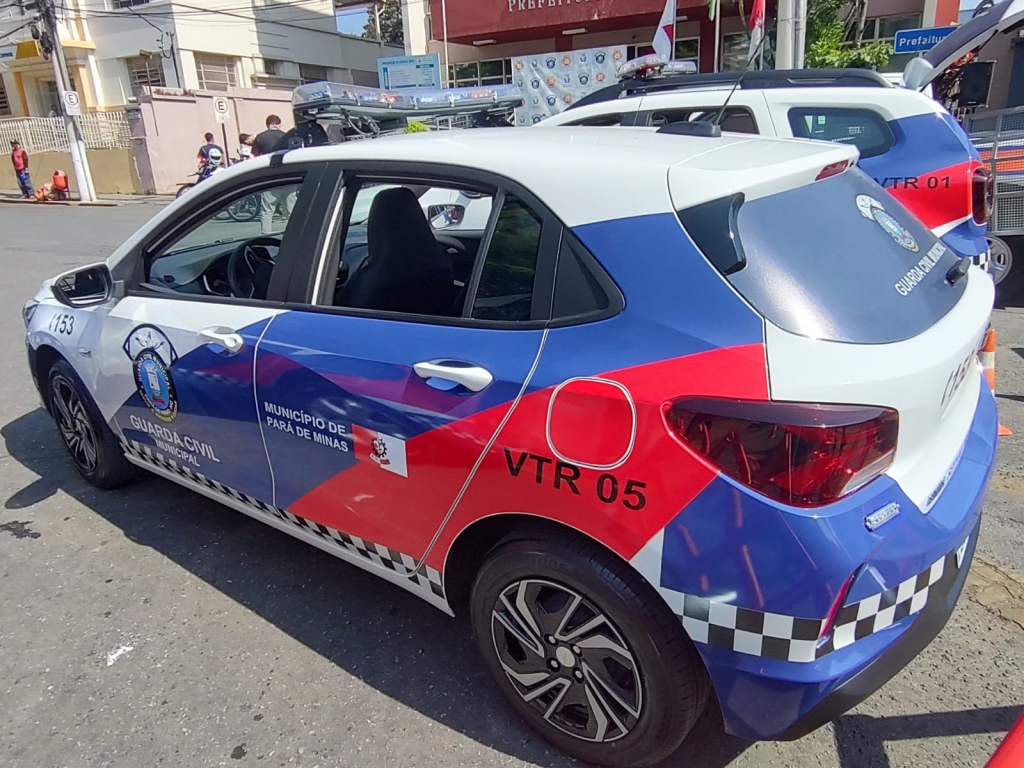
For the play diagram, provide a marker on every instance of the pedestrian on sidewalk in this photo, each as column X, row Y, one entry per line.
column 20, row 159
column 279, row 198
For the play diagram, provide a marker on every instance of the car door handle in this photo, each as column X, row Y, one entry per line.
column 225, row 337
column 472, row 377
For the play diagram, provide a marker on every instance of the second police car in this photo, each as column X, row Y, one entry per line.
column 724, row 428
column 907, row 141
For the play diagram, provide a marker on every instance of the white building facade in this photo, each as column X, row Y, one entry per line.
column 115, row 47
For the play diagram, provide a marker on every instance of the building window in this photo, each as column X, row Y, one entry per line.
column 636, row 51
column 116, row 4
column 5, row 103
column 491, row 72
column 884, row 29
column 273, row 67
column 688, row 49
column 145, row 71
column 215, row 73
column 312, row 73
column 735, row 52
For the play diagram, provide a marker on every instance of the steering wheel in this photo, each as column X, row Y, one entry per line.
column 250, row 267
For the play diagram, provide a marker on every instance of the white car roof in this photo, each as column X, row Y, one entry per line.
column 896, row 103
column 585, row 175
column 593, row 174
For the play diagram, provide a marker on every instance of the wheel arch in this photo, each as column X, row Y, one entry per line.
column 44, row 358
column 473, row 543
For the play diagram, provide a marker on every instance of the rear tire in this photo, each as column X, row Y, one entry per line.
column 624, row 692
column 183, row 189
column 1010, row 288
column 93, row 447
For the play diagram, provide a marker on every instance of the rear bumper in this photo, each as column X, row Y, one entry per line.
column 772, row 699
column 876, row 673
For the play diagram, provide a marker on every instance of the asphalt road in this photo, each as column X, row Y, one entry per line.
column 151, row 626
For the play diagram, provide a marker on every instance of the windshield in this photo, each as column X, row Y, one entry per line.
column 838, row 259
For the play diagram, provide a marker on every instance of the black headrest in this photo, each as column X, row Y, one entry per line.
column 396, row 225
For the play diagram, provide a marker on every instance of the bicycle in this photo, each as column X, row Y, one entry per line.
column 246, row 209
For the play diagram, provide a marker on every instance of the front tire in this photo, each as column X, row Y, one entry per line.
column 586, row 651
column 92, row 445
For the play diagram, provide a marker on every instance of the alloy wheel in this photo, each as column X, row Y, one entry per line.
column 1000, row 259
column 567, row 660
column 73, row 423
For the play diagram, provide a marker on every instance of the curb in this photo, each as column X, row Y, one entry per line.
column 96, row 204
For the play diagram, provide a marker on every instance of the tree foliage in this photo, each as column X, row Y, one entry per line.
column 390, row 23
column 835, row 36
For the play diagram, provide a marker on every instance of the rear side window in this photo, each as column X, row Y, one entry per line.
column 505, row 291
column 581, row 289
column 600, row 121
column 734, row 120
column 838, row 260
column 864, row 128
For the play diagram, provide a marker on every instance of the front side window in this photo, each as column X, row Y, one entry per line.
column 505, row 291
column 231, row 252
column 864, row 128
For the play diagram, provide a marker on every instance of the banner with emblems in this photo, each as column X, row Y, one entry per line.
column 551, row 82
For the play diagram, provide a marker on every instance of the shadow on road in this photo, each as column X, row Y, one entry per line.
column 860, row 739
column 386, row 637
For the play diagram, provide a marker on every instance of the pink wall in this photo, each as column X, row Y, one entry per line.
column 167, row 127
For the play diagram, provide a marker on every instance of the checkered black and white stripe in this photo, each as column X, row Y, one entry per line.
column 770, row 635
column 875, row 613
column 791, row 638
column 404, row 565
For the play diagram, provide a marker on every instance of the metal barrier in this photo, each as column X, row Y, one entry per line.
column 999, row 139
column 101, row 130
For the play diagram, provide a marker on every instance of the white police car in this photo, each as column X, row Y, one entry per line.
column 687, row 413
column 907, row 142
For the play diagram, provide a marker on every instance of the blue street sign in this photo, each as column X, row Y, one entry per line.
column 920, row 40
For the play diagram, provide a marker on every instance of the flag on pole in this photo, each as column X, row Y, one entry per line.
column 756, row 27
column 712, row 8
column 665, row 36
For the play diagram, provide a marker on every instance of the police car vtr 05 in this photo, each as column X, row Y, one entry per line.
column 723, row 427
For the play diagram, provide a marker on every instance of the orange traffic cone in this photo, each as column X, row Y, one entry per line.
column 988, row 364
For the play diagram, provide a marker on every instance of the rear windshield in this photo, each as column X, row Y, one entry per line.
column 838, row 259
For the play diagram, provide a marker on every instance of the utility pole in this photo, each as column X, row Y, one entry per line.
column 785, row 42
column 799, row 34
column 79, row 162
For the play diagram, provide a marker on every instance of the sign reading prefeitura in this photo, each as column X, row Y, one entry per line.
column 551, row 82
column 530, row 5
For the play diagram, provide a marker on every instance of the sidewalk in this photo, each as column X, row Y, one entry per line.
column 105, row 201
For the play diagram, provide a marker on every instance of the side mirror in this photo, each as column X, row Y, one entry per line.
column 84, row 287
column 445, row 216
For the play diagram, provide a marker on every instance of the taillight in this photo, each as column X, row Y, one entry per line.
column 983, row 192
column 833, row 169
column 801, row 454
